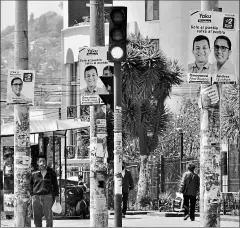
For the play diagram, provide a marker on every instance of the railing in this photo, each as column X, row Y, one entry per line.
column 230, row 203
column 71, row 152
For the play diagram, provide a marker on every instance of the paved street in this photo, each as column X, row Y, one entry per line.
column 133, row 221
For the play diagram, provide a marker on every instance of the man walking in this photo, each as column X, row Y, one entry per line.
column 190, row 188
column 44, row 191
column 127, row 184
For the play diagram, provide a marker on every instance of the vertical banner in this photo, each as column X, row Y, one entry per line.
column 92, row 64
column 20, row 87
column 212, row 47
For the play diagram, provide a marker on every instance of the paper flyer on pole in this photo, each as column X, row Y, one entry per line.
column 212, row 47
column 92, row 64
column 20, row 87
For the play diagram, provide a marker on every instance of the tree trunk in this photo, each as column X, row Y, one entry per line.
column 144, row 154
column 143, row 183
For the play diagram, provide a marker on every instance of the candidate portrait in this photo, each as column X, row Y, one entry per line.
column 222, row 52
column 91, row 78
column 201, row 50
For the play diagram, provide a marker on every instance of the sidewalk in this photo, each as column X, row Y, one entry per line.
column 137, row 220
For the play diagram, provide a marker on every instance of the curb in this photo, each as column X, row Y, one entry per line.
column 133, row 213
column 176, row 214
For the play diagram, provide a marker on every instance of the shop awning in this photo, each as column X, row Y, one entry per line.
column 41, row 126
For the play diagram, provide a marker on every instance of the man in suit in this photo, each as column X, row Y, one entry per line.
column 190, row 189
column 127, row 184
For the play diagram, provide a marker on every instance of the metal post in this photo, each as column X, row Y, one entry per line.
column 162, row 173
column 22, row 152
column 209, row 154
column 117, row 144
column 65, row 171
column 181, row 152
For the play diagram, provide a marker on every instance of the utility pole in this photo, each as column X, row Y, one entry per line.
column 22, row 152
column 98, row 165
column 117, row 144
column 210, row 200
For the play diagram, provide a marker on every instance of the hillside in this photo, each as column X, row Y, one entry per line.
column 44, row 34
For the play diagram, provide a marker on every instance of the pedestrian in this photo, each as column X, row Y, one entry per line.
column 44, row 191
column 127, row 184
column 190, row 189
column 82, row 183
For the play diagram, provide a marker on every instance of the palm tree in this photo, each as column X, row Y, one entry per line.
column 230, row 125
column 147, row 79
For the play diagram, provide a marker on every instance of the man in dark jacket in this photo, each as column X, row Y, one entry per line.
column 127, row 184
column 44, row 191
column 190, row 188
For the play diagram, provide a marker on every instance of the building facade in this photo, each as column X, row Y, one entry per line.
column 166, row 22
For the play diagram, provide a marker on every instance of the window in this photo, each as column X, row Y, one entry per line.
column 151, row 10
column 73, row 76
column 156, row 43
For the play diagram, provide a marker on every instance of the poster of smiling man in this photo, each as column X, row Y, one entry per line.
column 20, row 87
column 212, row 46
column 92, row 64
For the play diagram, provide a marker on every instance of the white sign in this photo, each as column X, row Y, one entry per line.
column 20, row 87
column 92, row 64
column 212, row 93
column 101, row 122
column 212, row 47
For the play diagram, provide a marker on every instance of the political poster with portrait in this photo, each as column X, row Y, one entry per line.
column 212, row 47
column 20, row 87
column 93, row 63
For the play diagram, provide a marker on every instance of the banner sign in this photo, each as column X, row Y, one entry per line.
column 92, row 64
column 20, row 87
column 212, row 47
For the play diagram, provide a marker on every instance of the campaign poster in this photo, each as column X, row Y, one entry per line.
column 212, row 47
column 20, row 87
column 93, row 63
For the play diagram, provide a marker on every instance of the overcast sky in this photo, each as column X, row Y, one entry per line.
column 36, row 7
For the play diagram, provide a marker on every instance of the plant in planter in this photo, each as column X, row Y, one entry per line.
column 165, row 201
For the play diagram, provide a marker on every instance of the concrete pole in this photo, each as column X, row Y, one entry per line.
column 209, row 153
column 98, row 162
column 22, row 152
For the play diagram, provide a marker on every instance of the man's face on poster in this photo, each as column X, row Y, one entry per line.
column 107, row 72
column 91, row 78
column 201, row 51
column 221, row 50
column 17, row 86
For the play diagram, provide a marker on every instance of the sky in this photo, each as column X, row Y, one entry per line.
column 36, row 7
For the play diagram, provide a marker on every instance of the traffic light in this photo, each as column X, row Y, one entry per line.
column 107, row 98
column 117, row 50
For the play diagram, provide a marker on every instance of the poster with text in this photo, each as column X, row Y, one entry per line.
column 93, row 63
column 212, row 47
column 20, row 87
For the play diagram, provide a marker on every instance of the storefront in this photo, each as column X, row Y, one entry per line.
column 48, row 137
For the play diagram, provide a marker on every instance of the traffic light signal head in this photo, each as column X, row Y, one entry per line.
column 117, row 34
column 108, row 98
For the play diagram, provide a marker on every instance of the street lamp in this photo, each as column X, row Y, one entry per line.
column 180, row 131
